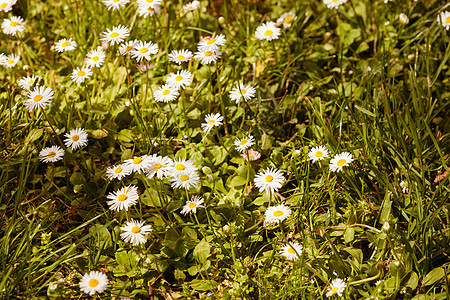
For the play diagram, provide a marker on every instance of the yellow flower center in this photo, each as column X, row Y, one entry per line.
column 118, row 170
column 65, row 44
column 10, row 62
column 180, row 167
column 210, row 41
column 51, row 154
column 95, row 58
column 128, row 48
column 75, row 138
column 136, row 229
column 278, row 213
column 243, row 142
column 30, row 82
column 335, row 289
column 178, row 78
column 318, row 154
column 184, row 177
column 149, row 1
column 3, row 5
column 115, row 0
column 137, row 160
column 268, row 32
column 13, row 24
column 211, row 122
column 291, row 250
column 242, row 91
column 251, row 155
column 143, row 50
column 447, row 20
column 114, row 34
column 192, row 205
column 166, row 92
column 158, row 166
column 181, row 57
column 149, row 9
column 208, row 53
column 122, row 197
column 269, row 178
column 93, row 282
column 288, row 20
column 37, row 98
column 81, row 73
column 334, row 0
column 341, row 162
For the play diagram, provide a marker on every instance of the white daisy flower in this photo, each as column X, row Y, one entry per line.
column 80, row 74
column 181, row 79
column 192, row 205
column 252, row 155
column 185, row 179
column 242, row 91
column 165, row 93
column 244, row 143
column 191, row 6
column 287, row 19
column 179, row 56
column 11, row 61
column 126, row 47
column 182, row 165
column 76, row 138
column 123, row 198
column 212, row 43
column 148, row 3
column 337, row 286
column 148, row 11
column 6, row 5
column 404, row 186
column 116, row 35
column 28, row 81
column 95, row 58
column 13, row 25
column 39, row 97
column 115, row 4
column 333, row 3
column 340, row 160
column 276, row 214
column 318, row 153
column 2, row 59
column 143, row 50
column 211, row 121
column 51, row 154
column 161, row 167
column 267, row 31
column 65, row 45
column 269, row 180
column 117, row 172
column 292, row 251
column 444, row 19
column 386, row 226
column 135, row 232
column 138, row 164
column 94, row 282
column 207, row 57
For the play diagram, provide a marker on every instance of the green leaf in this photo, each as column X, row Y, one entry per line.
column 349, row 234
column 435, row 275
column 201, row 252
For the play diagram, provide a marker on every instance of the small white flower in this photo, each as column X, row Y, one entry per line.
column 94, row 282
column 337, row 286
column 65, row 45
column 143, row 50
column 292, row 251
column 404, row 186
column 444, row 19
column 276, row 214
column 29, row 81
column 180, row 56
column 270, row 180
column 40, row 97
column 181, row 165
column 139, row 164
column 76, row 138
column 11, row 61
column 125, row 48
column 79, row 75
column 244, row 143
column 116, row 35
column 251, row 155
column 207, row 57
column 135, row 232
column 287, row 19
column 267, row 31
column 95, row 58
column 212, row 44
column 386, row 226
column 211, row 121
column 148, row 11
column 165, row 93
column 51, row 154
column 161, row 167
column 115, row 4
column 192, row 205
column 118, row 172
column 123, row 198
column 13, row 25
column 185, row 179
column 148, row 3
column 318, row 153
column 6, row 5
column 191, row 6
column 340, row 160
column 403, row 18
column 181, row 79
column 242, row 91
column 334, row 3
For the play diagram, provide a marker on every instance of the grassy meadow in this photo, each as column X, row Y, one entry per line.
column 279, row 156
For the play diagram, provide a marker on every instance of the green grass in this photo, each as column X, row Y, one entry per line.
column 354, row 79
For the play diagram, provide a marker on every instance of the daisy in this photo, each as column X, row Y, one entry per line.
column 13, row 25
column 180, row 56
column 115, row 4
column 212, row 43
column 251, row 155
column 6, row 5
column 181, row 165
column 211, row 121
column 144, row 67
column 161, row 166
column 287, row 19
column 292, row 251
column 65, row 45
column 148, row 11
column 117, row 172
column 2, row 59
column 51, row 154
column 165, row 93
column 404, row 186
column 138, row 163
column 334, row 3
column 80, row 74
column 242, row 91
column 11, row 61
column 180, row 79
column 207, row 56
column 192, row 205
column 267, row 31
column 276, row 214
column 94, row 282
column 135, row 232
column 144, row 50
column 28, row 81
column 337, row 286
column 244, row 143
column 116, row 35
column 39, row 97
column 76, row 138
column 318, row 153
column 185, row 179
column 269, row 180
column 125, row 48
column 148, row 3
column 191, row 6
column 123, row 198
column 444, row 19
column 95, row 58
column 340, row 160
